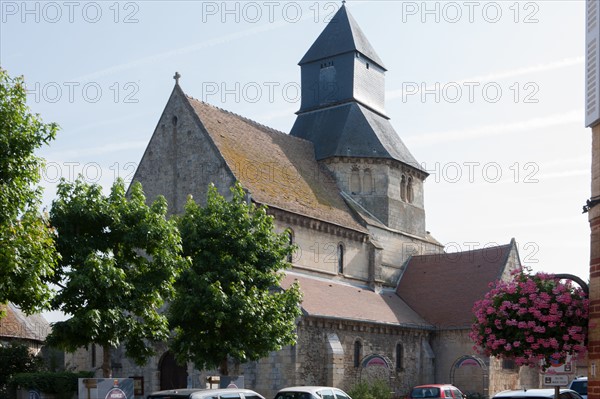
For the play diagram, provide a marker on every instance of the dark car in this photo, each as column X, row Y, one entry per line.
column 580, row 385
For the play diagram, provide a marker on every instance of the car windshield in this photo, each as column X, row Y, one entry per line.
column 295, row 395
column 580, row 387
column 425, row 392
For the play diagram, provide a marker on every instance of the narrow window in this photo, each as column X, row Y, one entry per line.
column 403, row 188
column 409, row 191
column 340, row 258
column 367, row 181
column 367, row 65
column 508, row 364
column 93, row 355
column 290, row 242
column 399, row 357
column 357, row 353
column 355, row 181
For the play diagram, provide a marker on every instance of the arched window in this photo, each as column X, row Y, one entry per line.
column 340, row 258
column 367, row 182
column 399, row 356
column 410, row 196
column 355, row 181
column 403, row 188
column 357, row 353
column 290, row 242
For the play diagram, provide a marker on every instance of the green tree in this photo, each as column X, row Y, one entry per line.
column 229, row 302
column 16, row 358
column 27, row 255
column 120, row 258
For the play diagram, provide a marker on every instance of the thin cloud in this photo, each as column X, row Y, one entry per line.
column 499, row 75
column 182, row 51
column 78, row 153
column 435, row 138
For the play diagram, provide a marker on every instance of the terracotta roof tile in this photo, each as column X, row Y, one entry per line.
column 277, row 169
column 15, row 324
column 443, row 287
column 328, row 298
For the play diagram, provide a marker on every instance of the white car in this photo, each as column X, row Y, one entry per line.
column 579, row 385
column 226, row 393
column 311, row 392
column 547, row 393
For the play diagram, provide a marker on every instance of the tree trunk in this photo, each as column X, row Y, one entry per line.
column 223, row 367
column 106, row 369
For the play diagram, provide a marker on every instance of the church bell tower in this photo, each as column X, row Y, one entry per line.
column 342, row 112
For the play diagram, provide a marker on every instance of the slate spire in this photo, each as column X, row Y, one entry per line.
column 343, row 97
column 341, row 35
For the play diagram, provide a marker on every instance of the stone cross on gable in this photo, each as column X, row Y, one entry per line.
column 176, row 77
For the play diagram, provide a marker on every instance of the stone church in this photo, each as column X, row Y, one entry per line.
column 382, row 300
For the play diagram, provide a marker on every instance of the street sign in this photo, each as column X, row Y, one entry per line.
column 560, row 368
column 556, row 380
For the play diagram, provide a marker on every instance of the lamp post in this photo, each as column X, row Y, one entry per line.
column 586, row 290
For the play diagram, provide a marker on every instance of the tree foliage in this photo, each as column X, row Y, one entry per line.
column 537, row 320
column 120, row 258
column 27, row 255
column 16, row 358
column 229, row 302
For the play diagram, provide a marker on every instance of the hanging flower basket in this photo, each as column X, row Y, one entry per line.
column 536, row 320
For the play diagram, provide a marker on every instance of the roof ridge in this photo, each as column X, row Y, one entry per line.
column 329, row 280
column 463, row 252
column 246, row 119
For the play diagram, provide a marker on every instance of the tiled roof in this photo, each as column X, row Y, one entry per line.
column 444, row 287
column 15, row 324
column 352, row 130
column 341, row 35
column 277, row 169
column 329, row 298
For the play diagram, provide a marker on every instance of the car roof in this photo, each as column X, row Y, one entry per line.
column 308, row 388
column 204, row 392
column 435, row 386
column 521, row 393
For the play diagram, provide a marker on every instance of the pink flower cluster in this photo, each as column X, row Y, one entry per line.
column 533, row 319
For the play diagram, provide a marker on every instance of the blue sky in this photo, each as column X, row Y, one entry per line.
column 488, row 96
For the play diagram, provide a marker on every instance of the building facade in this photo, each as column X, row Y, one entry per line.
column 382, row 300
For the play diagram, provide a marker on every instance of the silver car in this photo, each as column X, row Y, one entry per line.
column 312, row 392
column 226, row 393
column 547, row 393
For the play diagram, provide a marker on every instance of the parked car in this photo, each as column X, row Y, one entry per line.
column 311, row 392
column 197, row 393
column 547, row 393
column 442, row 391
column 579, row 385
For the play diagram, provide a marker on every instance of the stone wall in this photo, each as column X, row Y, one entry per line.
column 376, row 185
column 180, row 159
column 318, row 349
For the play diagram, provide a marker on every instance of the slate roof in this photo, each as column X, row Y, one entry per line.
column 444, row 287
column 277, row 169
column 15, row 324
column 341, row 35
column 333, row 299
column 352, row 130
